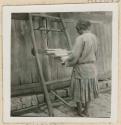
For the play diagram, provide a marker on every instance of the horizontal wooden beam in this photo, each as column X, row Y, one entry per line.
column 54, row 30
column 24, row 16
column 54, row 18
column 20, row 16
column 32, row 88
column 45, row 15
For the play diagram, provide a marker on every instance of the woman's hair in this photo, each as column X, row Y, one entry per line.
column 82, row 25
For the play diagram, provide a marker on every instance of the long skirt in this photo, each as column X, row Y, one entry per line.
column 84, row 90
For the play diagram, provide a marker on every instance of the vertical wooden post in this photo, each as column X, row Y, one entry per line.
column 49, row 105
column 67, row 36
column 46, row 47
column 66, row 33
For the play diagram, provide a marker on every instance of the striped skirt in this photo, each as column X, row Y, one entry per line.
column 84, row 90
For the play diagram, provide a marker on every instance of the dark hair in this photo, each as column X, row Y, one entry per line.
column 82, row 25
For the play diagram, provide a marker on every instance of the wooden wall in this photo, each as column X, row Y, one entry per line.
column 23, row 66
column 102, row 28
column 103, row 32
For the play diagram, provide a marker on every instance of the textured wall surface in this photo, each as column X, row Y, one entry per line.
column 30, row 2
column 23, row 65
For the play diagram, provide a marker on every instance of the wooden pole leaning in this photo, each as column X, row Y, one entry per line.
column 48, row 101
column 61, row 99
column 66, row 32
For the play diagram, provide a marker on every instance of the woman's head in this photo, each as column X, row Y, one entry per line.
column 82, row 25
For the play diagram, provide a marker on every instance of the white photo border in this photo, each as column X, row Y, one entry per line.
column 91, row 7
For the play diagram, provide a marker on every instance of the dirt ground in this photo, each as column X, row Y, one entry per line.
column 99, row 108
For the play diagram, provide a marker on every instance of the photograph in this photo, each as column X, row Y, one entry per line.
column 61, row 62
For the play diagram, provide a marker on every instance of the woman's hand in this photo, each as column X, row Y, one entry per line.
column 64, row 60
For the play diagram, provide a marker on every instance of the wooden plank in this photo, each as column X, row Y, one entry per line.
column 52, row 16
column 103, row 40
column 101, row 30
column 56, row 44
column 26, row 53
column 50, row 45
column 39, row 43
column 25, row 89
column 22, row 56
column 99, row 33
column 106, row 46
column 31, row 62
column 46, row 29
column 22, row 61
column 108, row 32
column 14, row 55
column 45, row 15
column 40, row 69
column 20, row 16
column 53, row 43
column 46, row 58
column 24, row 16
column 21, row 53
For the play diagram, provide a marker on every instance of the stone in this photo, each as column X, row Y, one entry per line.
column 26, row 101
column 40, row 98
column 34, row 100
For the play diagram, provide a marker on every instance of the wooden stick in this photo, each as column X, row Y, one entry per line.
column 46, row 29
column 46, row 61
column 53, row 17
column 33, row 88
column 58, row 81
column 40, row 69
column 61, row 99
column 46, row 16
column 66, row 33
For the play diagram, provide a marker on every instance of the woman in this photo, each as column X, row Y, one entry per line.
column 83, row 61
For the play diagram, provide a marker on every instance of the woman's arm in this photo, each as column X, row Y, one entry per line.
column 75, row 53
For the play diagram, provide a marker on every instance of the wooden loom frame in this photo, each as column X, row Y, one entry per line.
column 48, row 101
